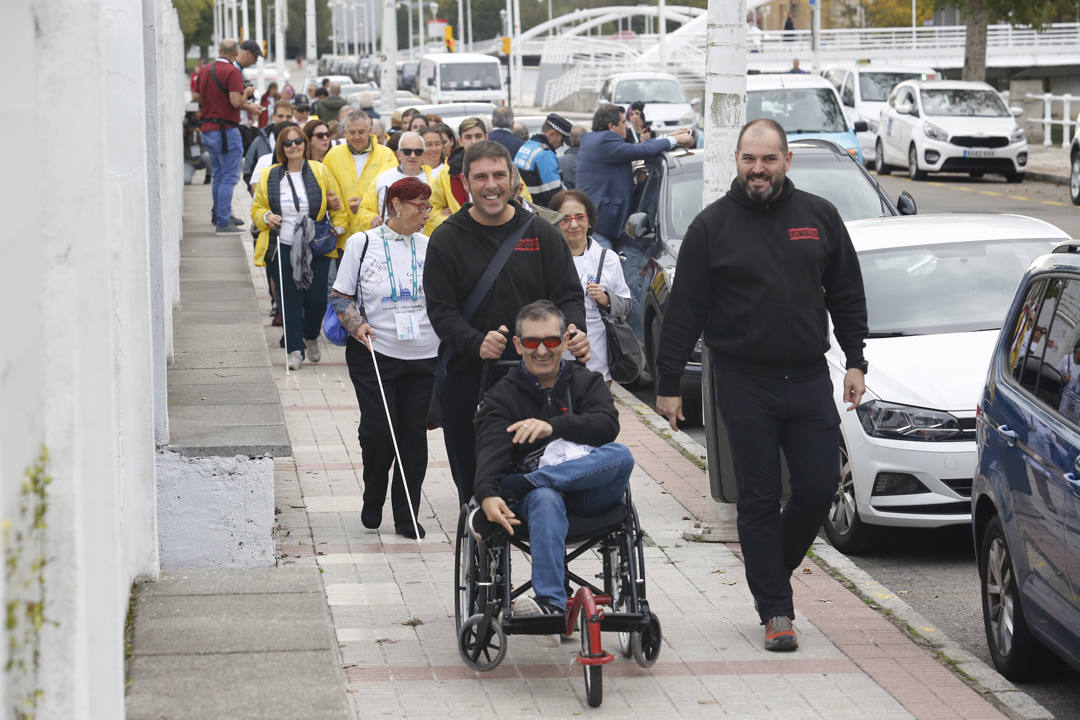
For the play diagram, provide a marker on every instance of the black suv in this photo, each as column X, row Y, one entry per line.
column 667, row 197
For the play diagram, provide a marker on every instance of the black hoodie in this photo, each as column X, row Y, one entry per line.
column 579, row 408
column 758, row 277
column 540, row 267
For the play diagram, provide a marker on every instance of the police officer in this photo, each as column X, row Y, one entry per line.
column 766, row 262
column 537, row 162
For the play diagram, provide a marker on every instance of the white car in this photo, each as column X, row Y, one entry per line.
column 949, row 126
column 1074, row 168
column 666, row 106
column 863, row 90
column 937, row 288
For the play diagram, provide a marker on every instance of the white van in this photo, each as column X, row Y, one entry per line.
column 460, row 77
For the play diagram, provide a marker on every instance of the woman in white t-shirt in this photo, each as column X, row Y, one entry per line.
column 379, row 299
column 611, row 295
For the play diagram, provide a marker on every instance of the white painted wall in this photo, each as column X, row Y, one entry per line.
column 89, row 279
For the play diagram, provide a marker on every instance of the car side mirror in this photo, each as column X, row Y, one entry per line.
column 861, row 126
column 1016, row 112
column 905, row 108
column 637, row 225
column 906, row 204
column 696, row 104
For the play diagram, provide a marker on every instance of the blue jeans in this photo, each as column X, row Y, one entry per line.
column 302, row 310
column 585, row 487
column 225, row 167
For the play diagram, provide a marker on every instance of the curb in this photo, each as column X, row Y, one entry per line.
column 985, row 679
column 1046, row 177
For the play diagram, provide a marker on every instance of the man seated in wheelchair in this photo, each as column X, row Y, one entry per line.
column 545, row 449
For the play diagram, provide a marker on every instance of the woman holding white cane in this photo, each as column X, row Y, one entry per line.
column 379, row 299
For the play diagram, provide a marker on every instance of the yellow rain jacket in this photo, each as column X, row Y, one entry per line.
column 261, row 205
column 339, row 161
column 369, row 208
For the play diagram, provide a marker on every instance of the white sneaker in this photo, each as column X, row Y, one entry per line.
column 525, row 606
column 295, row 360
column 311, row 348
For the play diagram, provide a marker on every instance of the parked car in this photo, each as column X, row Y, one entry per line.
column 666, row 106
column 863, row 91
column 806, row 106
column 667, row 197
column 1025, row 502
column 950, row 126
column 460, row 77
column 406, row 70
column 1074, row 168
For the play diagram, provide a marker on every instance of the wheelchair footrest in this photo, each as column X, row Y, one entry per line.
column 624, row 622
column 602, row 659
column 534, row 625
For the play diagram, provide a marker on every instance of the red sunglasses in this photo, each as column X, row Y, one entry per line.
column 551, row 341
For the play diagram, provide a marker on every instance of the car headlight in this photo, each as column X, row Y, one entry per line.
column 905, row 422
column 1017, row 134
column 688, row 118
column 933, row 132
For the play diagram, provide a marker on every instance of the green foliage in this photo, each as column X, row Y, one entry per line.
column 896, row 13
column 196, row 21
column 1018, row 12
column 24, row 586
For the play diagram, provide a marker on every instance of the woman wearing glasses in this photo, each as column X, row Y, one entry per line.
column 410, row 152
column 611, row 294
column 318, row 135
column 379, row 298
column 288, row 193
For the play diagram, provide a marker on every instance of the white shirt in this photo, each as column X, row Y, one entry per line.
column 387, row 178
column 261, row 164
column 375, row 294
column 289, row 214
column 614, row 283
column 360, row 160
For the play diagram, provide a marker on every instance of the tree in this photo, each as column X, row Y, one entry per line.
column 896, row 13
column 196, row 21
column 979, row 13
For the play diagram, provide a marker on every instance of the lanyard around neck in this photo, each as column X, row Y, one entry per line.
column 390, row 267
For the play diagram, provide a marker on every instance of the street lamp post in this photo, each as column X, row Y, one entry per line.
column 468, row 13
column 260, row 75
column 420, row 24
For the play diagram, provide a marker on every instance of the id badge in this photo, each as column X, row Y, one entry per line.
column 408, row 325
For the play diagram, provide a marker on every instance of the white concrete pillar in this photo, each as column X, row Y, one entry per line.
column 725, row 93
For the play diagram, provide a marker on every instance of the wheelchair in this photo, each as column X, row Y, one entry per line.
column 484, row 592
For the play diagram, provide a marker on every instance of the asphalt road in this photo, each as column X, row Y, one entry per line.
column 934, row 571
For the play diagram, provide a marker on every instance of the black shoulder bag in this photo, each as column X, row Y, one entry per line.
column 624, row 355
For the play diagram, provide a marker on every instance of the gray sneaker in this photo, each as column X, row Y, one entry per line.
column 526, row 606
column 311, row 350
column 780, row 635
column 296, row 360
column 229, row 230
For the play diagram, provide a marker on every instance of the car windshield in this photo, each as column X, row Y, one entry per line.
column 876, row 86
column 469, row 76
column 967, row 103
column 944, row 288
column 841, row 183
column 655, row 90
column 798, row 110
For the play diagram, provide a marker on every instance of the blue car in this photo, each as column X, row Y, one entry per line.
column 1026, row 490
column 806, row 106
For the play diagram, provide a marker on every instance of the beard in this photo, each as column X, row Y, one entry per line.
column 773, row 189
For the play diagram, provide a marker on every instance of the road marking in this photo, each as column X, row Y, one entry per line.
column 1020, row 197
column 957, row 187
column 1051, row 202
column 988, row 192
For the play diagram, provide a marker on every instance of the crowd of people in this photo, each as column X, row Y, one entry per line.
column 472, row 265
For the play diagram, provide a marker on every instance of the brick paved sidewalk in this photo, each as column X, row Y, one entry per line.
column 392, row 601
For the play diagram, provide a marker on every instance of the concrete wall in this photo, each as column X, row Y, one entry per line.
column 86, row 279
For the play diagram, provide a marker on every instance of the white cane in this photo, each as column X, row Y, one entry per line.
column 281, row 307
column 393, row 438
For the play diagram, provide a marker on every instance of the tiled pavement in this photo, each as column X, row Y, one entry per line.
column 392, row 604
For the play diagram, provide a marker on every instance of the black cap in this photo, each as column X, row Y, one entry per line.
column 301, row 101
column 559, row 124
column 252, row 47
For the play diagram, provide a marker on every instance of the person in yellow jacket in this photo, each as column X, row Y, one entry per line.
column 409, row 151
column 355, row 165
column 289, row 195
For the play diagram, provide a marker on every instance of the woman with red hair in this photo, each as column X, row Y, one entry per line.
column 379, row 299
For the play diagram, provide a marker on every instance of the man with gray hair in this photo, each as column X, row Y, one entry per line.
column 502, row 119
column 410, row 149
column 356, row 164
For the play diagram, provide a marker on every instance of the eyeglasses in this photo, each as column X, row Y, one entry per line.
column 411, row 151
column 422, row 207
column 320, row 135
column 294, row 141
column 579, row 219
column 551, row 341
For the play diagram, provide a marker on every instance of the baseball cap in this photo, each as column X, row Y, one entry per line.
column 559, row 124
column 252, row 47
column 301, row 102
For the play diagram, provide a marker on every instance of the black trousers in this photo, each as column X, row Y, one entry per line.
column 763, row 415
column 459, row 394
column 408, row 385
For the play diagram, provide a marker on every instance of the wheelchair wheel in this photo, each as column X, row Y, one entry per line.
column 620, row 592
column 465, row 573
column 646, row 643
column 482, row 643
column 594, row 674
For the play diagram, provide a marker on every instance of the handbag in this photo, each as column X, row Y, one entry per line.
column 434, row 416
column 624, row 356
column 324, row 241
column 331, row 325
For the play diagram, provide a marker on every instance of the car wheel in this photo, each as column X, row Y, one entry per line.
column 1074, row 179
column 913, row 170
column 879, row 160
column 846, row 532
column 1016, row 653
column 1014, row 177
column 975, row 175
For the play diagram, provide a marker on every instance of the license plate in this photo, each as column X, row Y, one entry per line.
column 979, row 153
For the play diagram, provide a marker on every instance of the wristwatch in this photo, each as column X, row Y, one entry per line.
column 859, row 365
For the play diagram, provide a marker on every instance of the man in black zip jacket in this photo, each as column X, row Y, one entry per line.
column 563, row 411
column 540, row 267
column 758, row 269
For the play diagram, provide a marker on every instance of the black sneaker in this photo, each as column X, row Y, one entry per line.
column 406, row 530
column 515, row 487
column 229, row 230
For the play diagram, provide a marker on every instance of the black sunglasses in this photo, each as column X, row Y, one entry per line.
column 551, row 341
column 411, row 151
column 294, row 141
column 321, row 135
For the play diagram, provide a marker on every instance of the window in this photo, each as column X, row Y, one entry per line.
column 834, row 76
column 1059, row 381
column 798, row 110
column 875, row 86
column 847, row 95
column 470, row 76
column 649, row 90
column 1027, row 343
column 969, row 103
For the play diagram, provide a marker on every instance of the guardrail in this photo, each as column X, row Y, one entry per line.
column 1048, row 120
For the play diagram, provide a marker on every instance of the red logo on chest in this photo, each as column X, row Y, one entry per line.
column 804, row 233
column 528, row 245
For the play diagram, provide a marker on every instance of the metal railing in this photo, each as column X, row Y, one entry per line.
column 1048, row 121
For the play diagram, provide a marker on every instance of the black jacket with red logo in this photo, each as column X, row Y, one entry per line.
column 541, row 267
column 758, row 278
